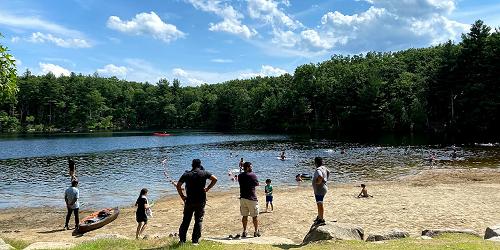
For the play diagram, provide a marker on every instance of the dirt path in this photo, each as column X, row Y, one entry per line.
column 432, row 199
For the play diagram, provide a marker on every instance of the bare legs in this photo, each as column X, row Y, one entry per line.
column 140, row 229
column 244, row 221
column 321, row 210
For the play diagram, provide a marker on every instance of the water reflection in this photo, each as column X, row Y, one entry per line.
column 113, row 170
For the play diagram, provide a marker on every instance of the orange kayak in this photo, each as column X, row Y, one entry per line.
column 98, row 219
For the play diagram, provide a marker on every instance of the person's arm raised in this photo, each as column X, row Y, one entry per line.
column 213, row 180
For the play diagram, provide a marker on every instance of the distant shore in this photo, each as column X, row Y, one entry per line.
column 430, row 199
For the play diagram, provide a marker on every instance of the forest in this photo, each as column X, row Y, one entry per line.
column 447, row 88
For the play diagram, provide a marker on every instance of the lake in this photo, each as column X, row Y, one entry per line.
column 113, row 167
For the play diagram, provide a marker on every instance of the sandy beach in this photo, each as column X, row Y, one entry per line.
column 431, row 199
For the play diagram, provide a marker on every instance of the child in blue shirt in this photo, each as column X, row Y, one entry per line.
column 269, row 194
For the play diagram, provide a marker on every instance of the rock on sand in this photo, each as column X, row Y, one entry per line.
column 392, row 235
column 491, row 232
column 436, row 232
column 335, row 231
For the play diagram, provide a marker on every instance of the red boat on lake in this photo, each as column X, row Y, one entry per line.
column 161, row 134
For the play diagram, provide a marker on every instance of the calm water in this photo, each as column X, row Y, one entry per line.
column 112, row 169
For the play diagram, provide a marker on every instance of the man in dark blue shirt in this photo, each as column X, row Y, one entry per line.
column 195, row 199
column 249, row 205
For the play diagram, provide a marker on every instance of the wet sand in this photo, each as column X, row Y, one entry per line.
column 430, row 199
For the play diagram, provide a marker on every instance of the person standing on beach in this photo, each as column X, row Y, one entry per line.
column 249, row 205
column 195, row 199
column 268, row 189
column 71, row 197
column 140, row 214
column 319, row 183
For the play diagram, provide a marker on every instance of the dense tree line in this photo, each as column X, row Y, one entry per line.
column 445, row 88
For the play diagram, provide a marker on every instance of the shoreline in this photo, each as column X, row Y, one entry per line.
column 429, row 199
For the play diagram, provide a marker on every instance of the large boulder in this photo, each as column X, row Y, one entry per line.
column 335, row 231
column 436, row 232
column 491, row 232
column 392, row 235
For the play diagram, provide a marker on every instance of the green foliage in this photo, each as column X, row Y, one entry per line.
column 16, row 243
column 8, row 123
column 8, row 76
column 445, row 88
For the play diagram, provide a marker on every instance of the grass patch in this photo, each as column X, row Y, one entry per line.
column 122, row 244
column 15, row 243
column 446, row 241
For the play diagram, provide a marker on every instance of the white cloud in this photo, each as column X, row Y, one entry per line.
column 231, row 18
column 39, row 37
column 55, row 69
column 146, row 24
column 266, row 70
column 385, row 25
column 189, row 79
column 391, row 25
column 272, row 71
column 196, row 78
column 143, row 71
column 113, row 70
column 18, row 62
column 233, row 26
column 64, row 37
column 220, row 60
column 287, row 39
column 313, row 38
column 36, row 23
column 268, row 11
column 286, row 3
column 416, row 8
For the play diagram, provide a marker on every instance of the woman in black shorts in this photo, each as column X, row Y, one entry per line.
column 140, row 214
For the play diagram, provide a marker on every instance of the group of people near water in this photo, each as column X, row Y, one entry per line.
column 194, row 197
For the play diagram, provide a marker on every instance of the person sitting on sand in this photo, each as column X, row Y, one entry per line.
column 72, row 169
column 364, row 192
column 140, row 215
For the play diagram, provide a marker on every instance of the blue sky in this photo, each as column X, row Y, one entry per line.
column 210, row 41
